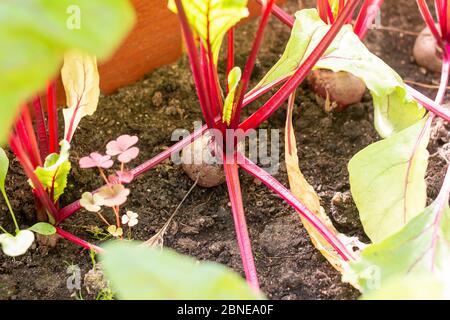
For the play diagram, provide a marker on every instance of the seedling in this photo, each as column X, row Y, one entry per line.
column 18, row 243
column 113, row 194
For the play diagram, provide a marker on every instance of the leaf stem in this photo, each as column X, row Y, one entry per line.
column 250, row 64
column 282, row 15
column 195, row 65
column 29, row 171
column 52, row 114
column 263, row 113
column 72, row 238
column 41, row 127
column 284, row 193
column 245, row 248
column 31, row 135
column 444, row 77
column 429, row 104
column 428, row 18
column 11, row 211
column 230, row 54
column 367, row 15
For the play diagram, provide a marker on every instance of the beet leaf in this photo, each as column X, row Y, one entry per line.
column 211, row 19
column 421, row 248
column 395, row 109
column 81, row 82
column 398, row 163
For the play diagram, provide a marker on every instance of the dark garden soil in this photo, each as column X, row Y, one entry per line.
column 289, row 266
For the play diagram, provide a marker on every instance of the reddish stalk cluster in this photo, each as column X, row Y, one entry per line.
column 32, row 145
column 205, row 77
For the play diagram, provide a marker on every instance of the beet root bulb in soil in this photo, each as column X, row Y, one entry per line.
column 199, row 161
column 336, row 90
column 426, row 52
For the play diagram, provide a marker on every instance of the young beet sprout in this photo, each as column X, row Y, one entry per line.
column 113, row 194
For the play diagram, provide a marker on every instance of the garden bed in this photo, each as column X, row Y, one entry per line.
column 289, row 266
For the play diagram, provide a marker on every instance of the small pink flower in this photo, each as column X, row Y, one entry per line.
column 113, row 179
column 96, row 160
column 123, row 147
column 124, row 176
column 114, row 195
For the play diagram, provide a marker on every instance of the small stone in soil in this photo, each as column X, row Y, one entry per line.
column 187, row 244
column 157, row 99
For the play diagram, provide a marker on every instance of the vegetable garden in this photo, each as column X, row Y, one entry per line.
column 107, row 195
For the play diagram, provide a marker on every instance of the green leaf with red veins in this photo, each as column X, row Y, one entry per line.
column 211, row 19
column 422, row 247
column 387, row 180
column 53, row 174
column 395, row 109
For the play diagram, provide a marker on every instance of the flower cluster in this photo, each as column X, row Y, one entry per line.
column 113, row 194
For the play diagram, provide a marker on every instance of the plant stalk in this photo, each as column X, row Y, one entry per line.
column 367, row 15
column 74, row 239
column 263, row 113
column 195, row 64
column 250, row 64
column 245, row 248
column 428, row 18
column 41, row 127
column 52, row 115
column 284, row 193
column 284, row 17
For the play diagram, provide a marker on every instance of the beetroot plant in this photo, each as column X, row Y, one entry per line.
column 222, row 108
column 39, row 35
column 387, row 180
column 113, row 194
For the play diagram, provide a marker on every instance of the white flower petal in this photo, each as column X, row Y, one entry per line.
column 125, row 219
